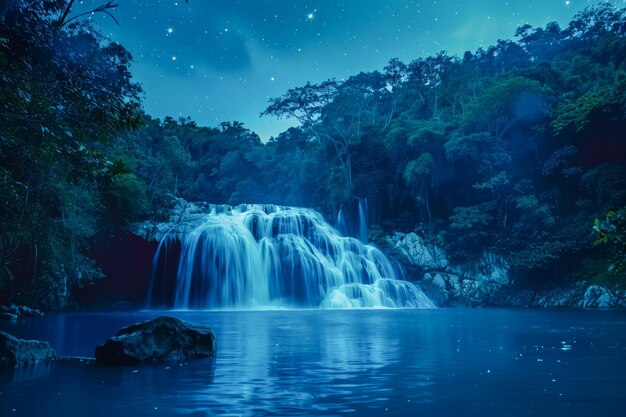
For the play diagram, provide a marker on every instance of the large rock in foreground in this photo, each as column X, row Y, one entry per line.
column 18, row 352
column 158, row 340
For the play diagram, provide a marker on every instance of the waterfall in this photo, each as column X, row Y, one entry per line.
column 354, row 223
column 259, row 256
column 363, row 220
column 164, row 245
column 341, row 223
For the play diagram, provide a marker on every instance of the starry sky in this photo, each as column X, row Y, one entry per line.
column 219, row 60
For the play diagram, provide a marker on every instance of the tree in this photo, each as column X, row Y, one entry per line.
column 594, row 21
column 612, row 231
column 417, row 174
column 610, row 99
column 65, row 96
column 505, row 103
column 334, row 113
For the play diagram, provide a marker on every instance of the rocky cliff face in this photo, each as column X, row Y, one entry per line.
column 449, row 284
column 183, row 218
column 487, row 282
column 581, row 295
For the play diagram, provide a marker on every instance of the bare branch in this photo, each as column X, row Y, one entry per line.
column 104, row 8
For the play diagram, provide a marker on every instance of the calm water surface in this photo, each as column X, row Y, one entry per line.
column 364, row 363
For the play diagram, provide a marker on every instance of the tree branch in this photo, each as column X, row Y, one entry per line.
column 63, row 20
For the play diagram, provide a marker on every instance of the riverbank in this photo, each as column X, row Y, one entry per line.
column 488, row 281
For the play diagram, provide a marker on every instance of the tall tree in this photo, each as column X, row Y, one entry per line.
column 65, row 95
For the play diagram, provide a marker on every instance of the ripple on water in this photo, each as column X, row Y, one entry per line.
column 363, row 363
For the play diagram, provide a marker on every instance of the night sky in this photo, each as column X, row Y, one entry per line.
column 219, row 60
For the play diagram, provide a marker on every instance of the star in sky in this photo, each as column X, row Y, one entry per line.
column 237, row 46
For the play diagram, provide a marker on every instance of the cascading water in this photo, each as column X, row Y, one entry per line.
column 255, row 256
column 363, row 220
column 355, row 222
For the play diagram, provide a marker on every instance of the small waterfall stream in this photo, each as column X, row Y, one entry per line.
column 259, row 256
column 363, row 220
column 354, row 223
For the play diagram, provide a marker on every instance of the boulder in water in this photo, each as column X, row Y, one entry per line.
column 18, row 352
column 158, row 340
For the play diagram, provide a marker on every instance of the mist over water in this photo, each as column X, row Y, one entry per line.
column 264, row 256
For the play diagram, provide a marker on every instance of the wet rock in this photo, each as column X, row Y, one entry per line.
column 158, row 340
column 18, row 352
column 469, row 284
column 508, row 296
column 19, row 312
column 415, row 251
column 455, row 290
column 489, row 269
column 621, row 299
column 440, row 297
column 27, row 312
column 476, row 291
column 598, row 297
column 440, row 282
column 183, row 217
column 7, row 316
column 486, row 281
column 569, row 297
column 492, row 268
column 581, row 295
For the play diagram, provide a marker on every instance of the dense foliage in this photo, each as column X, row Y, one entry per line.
column 513, row 149
column 65, row 95
column 613, row 232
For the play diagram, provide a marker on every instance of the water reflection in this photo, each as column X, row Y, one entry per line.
column 431, row 362
column 24, row 375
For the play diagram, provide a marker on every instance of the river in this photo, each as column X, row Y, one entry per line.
column 440, row 362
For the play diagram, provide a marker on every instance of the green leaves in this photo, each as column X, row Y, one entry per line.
column 466, row 218
column 65, row 97
column 468, row 147
column 526, row 202
column 419, row 168
column 579, row 112
column 305, row 103
column 612, row 232
column 493, row 183
column 509, row 100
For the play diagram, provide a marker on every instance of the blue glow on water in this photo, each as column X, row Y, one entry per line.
column 328, row 363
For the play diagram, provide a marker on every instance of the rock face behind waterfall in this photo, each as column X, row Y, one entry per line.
column 252, row 256
column 158, row 340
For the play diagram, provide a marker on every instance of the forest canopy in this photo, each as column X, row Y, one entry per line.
column 514, row 149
